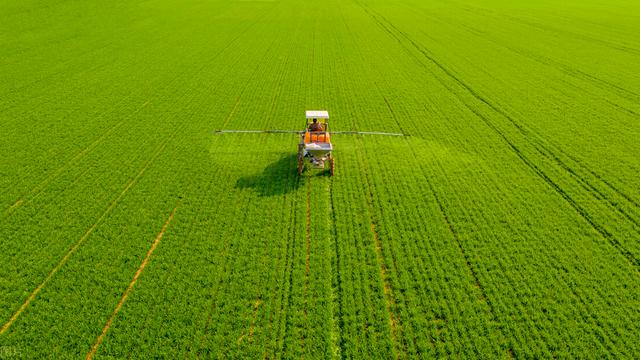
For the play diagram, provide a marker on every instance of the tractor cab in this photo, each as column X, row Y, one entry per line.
column 317, row 127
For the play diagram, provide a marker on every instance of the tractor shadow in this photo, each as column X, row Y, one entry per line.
column 278, row 178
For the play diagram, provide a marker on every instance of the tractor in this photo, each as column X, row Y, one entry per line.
column 315, row 142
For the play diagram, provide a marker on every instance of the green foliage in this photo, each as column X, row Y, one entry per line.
column 507, row 224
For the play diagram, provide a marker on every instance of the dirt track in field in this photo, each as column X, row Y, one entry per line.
column 126, row 293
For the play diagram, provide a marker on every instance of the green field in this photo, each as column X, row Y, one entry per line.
column 505, row 225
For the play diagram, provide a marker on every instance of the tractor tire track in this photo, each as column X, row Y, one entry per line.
column 198, row 348
column 627, row 197
column 232, row 113
column 587, row 186
column 484, row 297
column 600, row 83
column 391, row 303
column 337, row 292
column 288, row 293
column 225, row 264
column 61, row 70
column 566, row 69
column 555, row 64
column 307, row 261
column 519, row 153
column 285, row 272
column 538, row 142
column 254, row 317
column 558, row 189
column 49, row 78
column 222, row 265
column 268, row 317
column 83, row 238
column 256, row 307
column 73, row 249
column 403, row 324
column 535, row 139
column 586, row 38
column 476, row 279
column 87, row 150
column 23, row 199
column 130, row 287
column 287, row 278
column 551, row 29
column 44, row 183
column 226, row 121
column 218, row 209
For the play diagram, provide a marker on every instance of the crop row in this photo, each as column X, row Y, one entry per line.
column 492, row 231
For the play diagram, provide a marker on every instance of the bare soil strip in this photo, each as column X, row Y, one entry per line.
column 15, row 205
column 308, row 234
column 336, row 289
column 126, row 293
column 395, row 325
column 390, row 302
column 307, row 258
column 81, row 241
column 233, row 111
column 254, row 317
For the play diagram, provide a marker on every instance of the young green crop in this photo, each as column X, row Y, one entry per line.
column 505, row 226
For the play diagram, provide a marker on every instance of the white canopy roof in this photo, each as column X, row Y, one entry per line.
column 317, row 114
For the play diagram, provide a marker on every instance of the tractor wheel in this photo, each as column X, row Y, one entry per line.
column 332, row 166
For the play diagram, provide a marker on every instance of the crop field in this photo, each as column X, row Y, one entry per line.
column 504, row 224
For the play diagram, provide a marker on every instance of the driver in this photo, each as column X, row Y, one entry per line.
column 315, row 126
